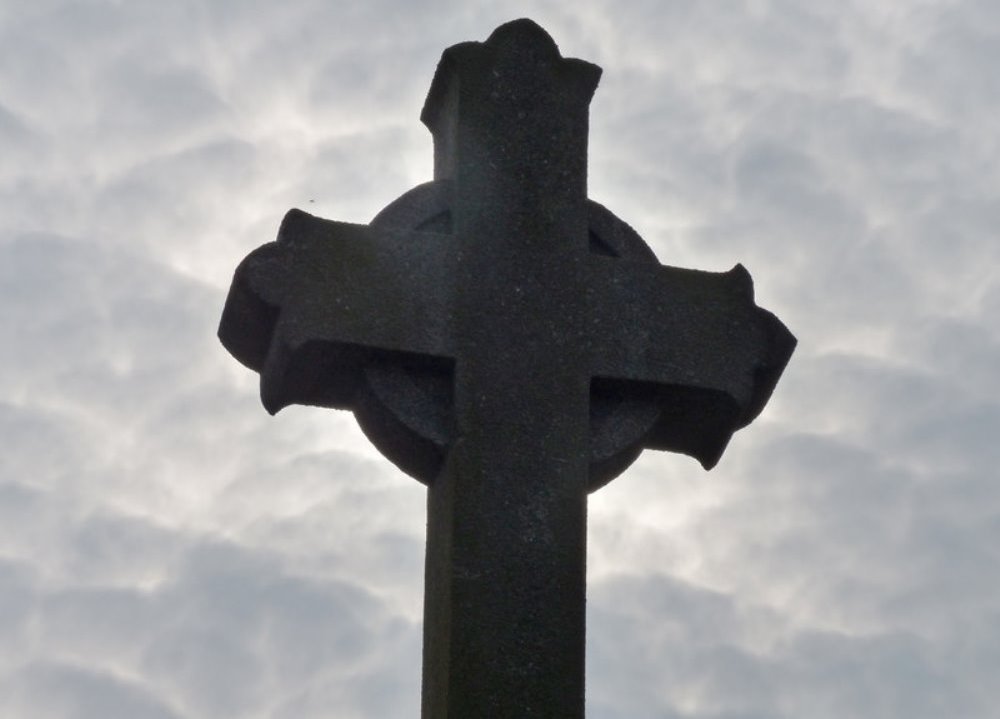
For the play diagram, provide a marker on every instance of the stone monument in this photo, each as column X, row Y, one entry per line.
column 513, row 345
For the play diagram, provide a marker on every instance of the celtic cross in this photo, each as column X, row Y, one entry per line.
column 514, row 346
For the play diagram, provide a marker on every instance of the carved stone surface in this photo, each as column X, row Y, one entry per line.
column 513, row 345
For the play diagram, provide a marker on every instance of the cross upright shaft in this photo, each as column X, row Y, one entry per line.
column 546, row 321
column 506, row 552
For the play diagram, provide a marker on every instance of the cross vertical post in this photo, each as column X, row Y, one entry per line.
column 506, row 551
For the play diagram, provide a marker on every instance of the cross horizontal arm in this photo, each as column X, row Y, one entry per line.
column 695, row 337
column 669, row 325
column 304, row 306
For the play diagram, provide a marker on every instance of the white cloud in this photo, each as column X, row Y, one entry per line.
column 168, row 550
column 56, row 690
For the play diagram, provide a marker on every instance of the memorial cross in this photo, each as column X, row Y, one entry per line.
column 513, row 345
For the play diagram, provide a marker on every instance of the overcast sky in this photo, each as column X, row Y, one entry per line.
column 170, row 551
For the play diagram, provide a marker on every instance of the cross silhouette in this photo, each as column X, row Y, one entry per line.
column 513, row 345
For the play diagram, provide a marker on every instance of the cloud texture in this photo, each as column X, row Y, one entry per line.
column 167, row 550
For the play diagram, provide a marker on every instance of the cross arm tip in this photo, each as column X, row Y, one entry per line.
column 251, row 311
column 522, row 44
column 779, row 344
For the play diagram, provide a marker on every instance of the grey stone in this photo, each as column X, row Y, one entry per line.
column 513, row 345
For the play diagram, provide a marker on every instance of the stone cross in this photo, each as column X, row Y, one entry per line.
column 513, row 345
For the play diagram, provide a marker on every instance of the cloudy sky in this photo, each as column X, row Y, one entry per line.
column 170, row 551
